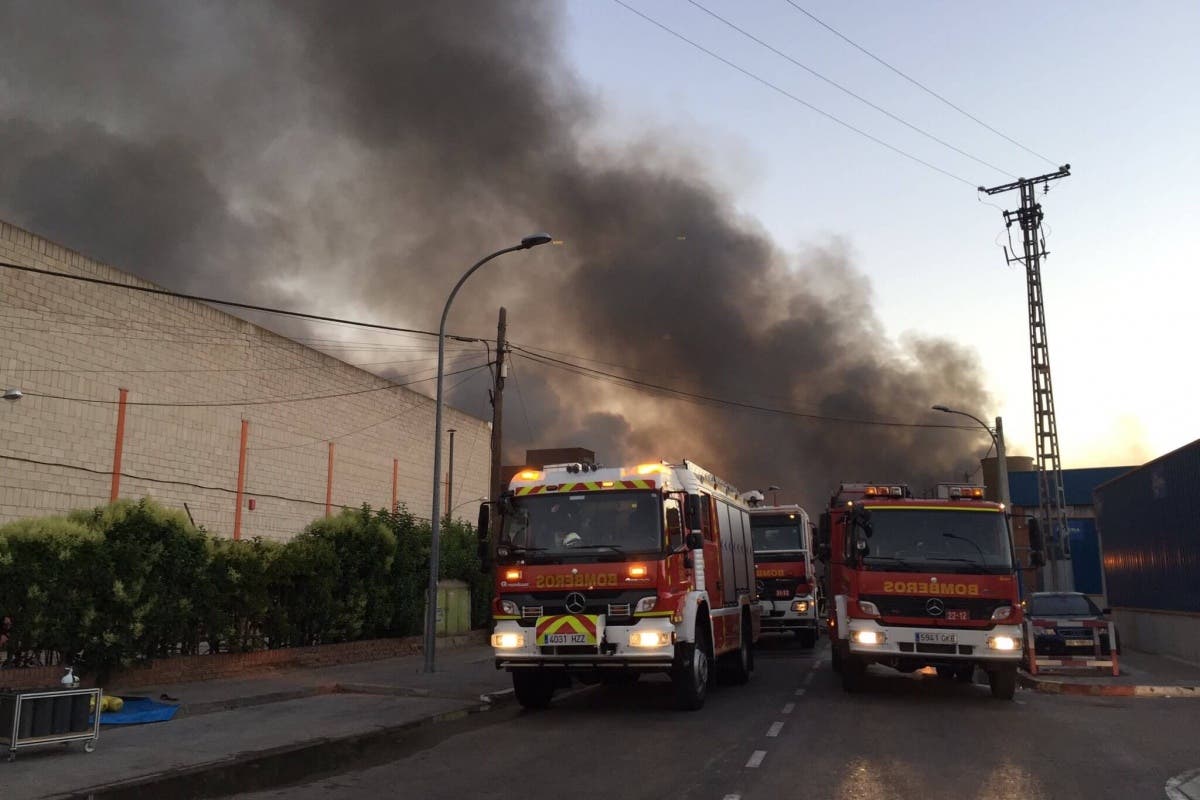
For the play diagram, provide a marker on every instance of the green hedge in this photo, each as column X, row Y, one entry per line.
column 134, row 581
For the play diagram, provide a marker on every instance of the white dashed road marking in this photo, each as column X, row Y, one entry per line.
column 756, row 759
column 809, row 678
column 799, row 693
column 733, row 797
column 774, row 730
column 788, row 708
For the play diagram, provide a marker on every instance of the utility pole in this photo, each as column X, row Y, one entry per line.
column 495, row 488
column 1052, row 500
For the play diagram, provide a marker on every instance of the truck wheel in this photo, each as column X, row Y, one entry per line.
column 1003, row 682
column 532, row 687
column 736, row 666
column 808, row 638
column 835, row 657
column 691, row 671
column 854, row 674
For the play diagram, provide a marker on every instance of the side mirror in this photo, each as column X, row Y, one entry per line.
column 485, row 518
column 1035, row 535
column 824, row 552
column 695, row 541
column 861, row 546
column 694, row 512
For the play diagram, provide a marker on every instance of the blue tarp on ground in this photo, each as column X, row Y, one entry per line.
column 139, row 710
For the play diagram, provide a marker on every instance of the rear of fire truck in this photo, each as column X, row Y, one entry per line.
column 783, row 569
column 604, row 574
column 921, row 583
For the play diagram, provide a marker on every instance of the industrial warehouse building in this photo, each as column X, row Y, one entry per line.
column 186, row 398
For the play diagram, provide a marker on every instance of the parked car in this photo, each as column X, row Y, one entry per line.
column 1068, row 640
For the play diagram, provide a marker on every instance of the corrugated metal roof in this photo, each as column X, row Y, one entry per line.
column 1077, row 483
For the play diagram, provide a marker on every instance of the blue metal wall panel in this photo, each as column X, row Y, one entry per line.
column 1085, row 556
column 1149, row 522
column 1078, row 485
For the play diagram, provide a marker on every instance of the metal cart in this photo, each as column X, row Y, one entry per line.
column 49, row 716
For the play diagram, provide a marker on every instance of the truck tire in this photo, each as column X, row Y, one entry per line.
column 736, row 666
column 835, row 657
column 854, row 674
column 1003, row 682
column 533, row 687
column 692, row 670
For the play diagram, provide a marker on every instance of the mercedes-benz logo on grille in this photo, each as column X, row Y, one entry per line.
column 935, row 607
column 576, row 603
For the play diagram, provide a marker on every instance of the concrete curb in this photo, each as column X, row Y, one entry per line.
column 1054, row 686
column 170, row 782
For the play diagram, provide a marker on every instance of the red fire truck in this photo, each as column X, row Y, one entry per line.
column 786, row 586
column 608, row 573
column 921, row 582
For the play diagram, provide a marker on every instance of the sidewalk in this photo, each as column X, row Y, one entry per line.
column 1142, row 675
column 225, row 722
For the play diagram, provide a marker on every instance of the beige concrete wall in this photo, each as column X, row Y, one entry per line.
column 1161, row 632
column 68, row 339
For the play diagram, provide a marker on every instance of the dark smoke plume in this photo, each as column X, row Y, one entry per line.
column 370, row 151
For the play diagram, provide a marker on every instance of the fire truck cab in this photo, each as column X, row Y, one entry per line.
column 786, row 585
column 921, row 582
column 607, row 573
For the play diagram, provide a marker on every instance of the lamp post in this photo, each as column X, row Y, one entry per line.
column 528, row 242
column 12, row 395
column 774, row 490
column 997, row 435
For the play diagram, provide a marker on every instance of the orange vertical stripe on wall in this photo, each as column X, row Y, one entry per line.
column 118, row 447
column 241, row 483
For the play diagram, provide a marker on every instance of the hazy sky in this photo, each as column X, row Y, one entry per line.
column 1105, row 86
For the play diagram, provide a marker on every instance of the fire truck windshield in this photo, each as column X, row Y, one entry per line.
column 953, row 540
column 586, row 524
column 776, row 532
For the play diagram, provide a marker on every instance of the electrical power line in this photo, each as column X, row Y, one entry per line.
column 915, row 82
column 847, row 91
column 467, row 373
column 259, row 402
column 722, row 401
column 793, row 97
column 521, row 396
column 230, row 303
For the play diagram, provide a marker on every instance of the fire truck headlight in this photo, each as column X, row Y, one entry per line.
column 869, row 637
column 507, row 641
column 649, row 639
column 1003, row 612
column 509, row 608
column 800, row 606
column 645, row 604
column 1003, row 643
column 868, row 608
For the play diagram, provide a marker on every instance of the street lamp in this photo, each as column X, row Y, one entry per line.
column 997, row 435
column 528, row 242
column 775, row 494
column 13, row 395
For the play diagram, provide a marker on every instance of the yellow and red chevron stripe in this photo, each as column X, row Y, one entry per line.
column 567, row 623
column 583, row 486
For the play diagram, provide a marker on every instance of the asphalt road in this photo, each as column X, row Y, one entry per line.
column 791, row 733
